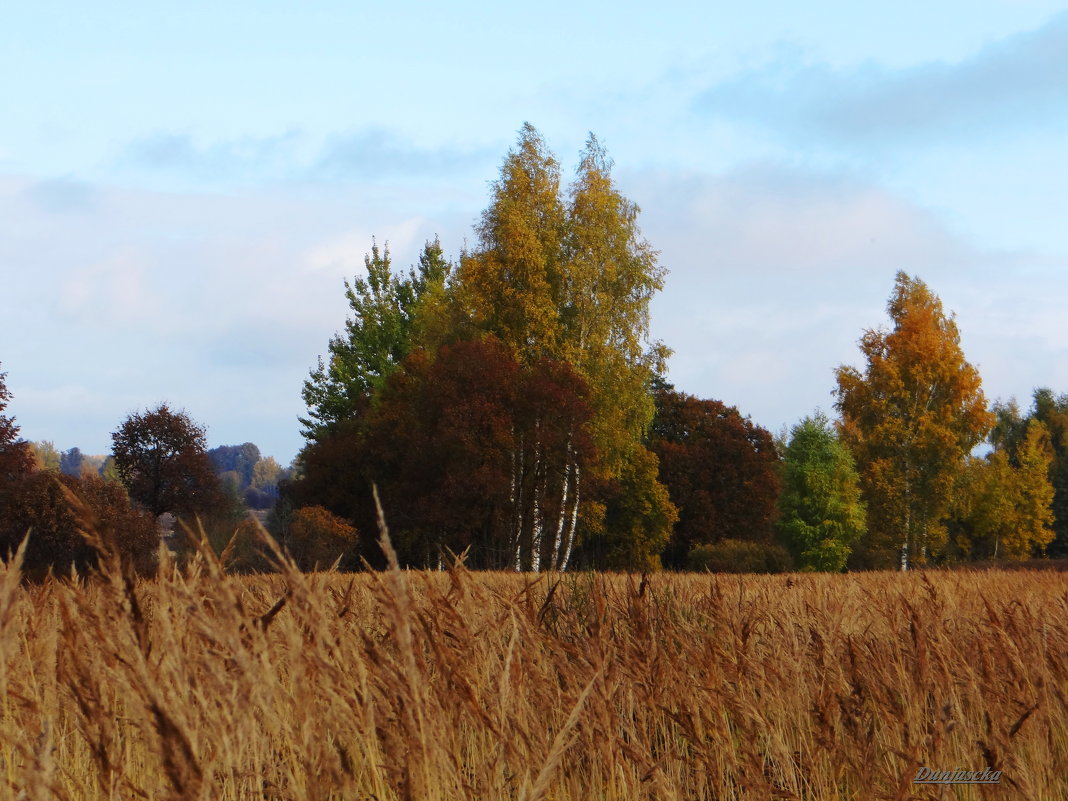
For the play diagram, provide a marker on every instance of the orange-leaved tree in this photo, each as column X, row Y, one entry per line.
column 911, row 418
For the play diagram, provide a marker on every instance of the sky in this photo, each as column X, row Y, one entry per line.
column 184, row 187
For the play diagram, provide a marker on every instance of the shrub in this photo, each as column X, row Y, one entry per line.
column 57, row 509
column 317, row 538
column 739, row 556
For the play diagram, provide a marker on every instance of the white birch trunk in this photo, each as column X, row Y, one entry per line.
column 570, row 541
column 558, row 543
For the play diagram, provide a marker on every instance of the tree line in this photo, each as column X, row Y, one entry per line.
column 511, row 407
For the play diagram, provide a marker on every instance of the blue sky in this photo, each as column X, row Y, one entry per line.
column 184, row 187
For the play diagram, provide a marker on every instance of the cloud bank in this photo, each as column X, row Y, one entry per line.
column 1019, row 81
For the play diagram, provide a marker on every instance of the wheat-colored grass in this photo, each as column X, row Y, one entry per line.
column 458, row 685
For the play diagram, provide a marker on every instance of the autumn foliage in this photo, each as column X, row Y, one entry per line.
column 721, row 470
column 441, row 444
column 162, row 460
column 502, row 406
column 910, row 419
column 58, row 511
column 320, row 539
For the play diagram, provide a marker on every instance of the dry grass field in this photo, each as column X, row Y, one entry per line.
column 458, row 685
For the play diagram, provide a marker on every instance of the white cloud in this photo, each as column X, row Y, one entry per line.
column 370, row 154
column 111, row 292
column 216, row 302
column 776, row 272
column 1020, row 81
column 344, row 254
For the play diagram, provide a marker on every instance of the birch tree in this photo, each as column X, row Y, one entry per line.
column 569, row 281
column 911, row 418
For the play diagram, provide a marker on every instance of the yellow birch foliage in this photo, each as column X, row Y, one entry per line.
column 1002, row 510
column 1034, row 524
column 572, row 282
column 611, row 274
column 511, row 285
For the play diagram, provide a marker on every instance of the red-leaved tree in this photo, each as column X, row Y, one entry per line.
column 162, row 461
column 471, row 450
column 721, row 470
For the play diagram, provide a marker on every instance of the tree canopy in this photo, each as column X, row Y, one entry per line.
column 518, row 383
column 821, row 514
column 376, row 338
column 15, row 455
column 162, row 461
column 910, row 419
column 720, row 469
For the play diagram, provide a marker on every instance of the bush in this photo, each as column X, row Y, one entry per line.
column 244, row 551
column 739, row 556
column 317, row 538
column 57, row 509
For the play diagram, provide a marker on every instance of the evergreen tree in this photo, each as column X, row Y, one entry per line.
column 821, row 513
column 16, row 458
column 377, row 336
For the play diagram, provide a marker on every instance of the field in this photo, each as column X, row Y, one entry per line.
column 458, row 685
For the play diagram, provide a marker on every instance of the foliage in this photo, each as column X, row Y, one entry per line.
column 562, row 285
column 821, row 513
column 612, row 274
column 739, row 556
column 15, row 455
column 250, row 479
column 570, row 281
column 632, row 520
column 45, row 456
column 910, row 420
column 161, row 459
column 720, row 469
column 1003, row 505
column 336, row 474
column 319, row 539
column 447, row 441
column 263, row 490
column 71, row 462
column 241, row 459
column 266, row 474
column 513, row 283
column 376, row 339
column 109, row 469
column 441, row 447
column 58, row 510
column 1051, row 411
